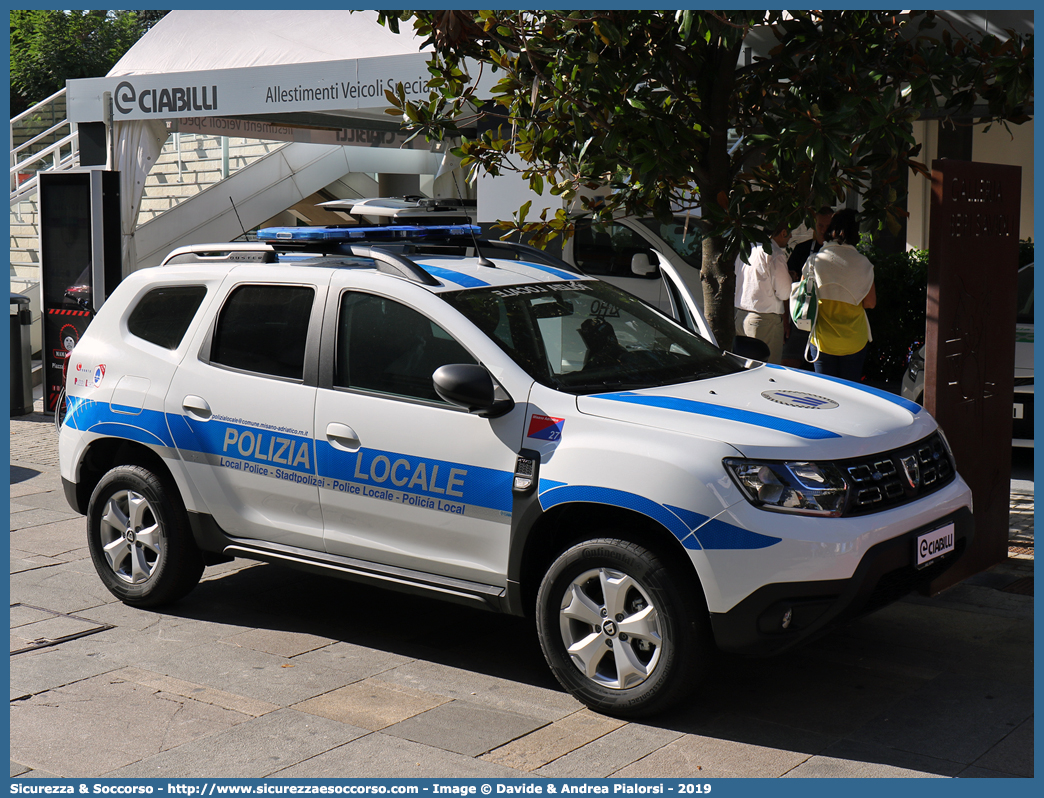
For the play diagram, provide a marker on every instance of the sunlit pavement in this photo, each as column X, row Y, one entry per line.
column 263, row 671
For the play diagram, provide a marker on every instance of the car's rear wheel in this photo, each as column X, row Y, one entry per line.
column 621, row 630
column 139, row 538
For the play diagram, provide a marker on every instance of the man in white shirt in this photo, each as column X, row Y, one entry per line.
column 763, row 293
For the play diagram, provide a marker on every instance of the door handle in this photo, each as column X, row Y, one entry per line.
column 197, row 407
column 343, row 437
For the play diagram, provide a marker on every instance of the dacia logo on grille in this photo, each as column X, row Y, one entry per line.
column 912, row 469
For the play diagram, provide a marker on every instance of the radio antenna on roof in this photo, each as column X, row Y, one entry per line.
column 237, row 216
column 482, row 259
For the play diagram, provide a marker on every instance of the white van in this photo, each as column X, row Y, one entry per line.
column 628, row 251
column 658, row 263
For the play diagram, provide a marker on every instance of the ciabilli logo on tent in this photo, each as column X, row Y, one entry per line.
column 176, row 99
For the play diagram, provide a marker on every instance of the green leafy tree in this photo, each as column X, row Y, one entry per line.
column 49, row 47
column 650, row 103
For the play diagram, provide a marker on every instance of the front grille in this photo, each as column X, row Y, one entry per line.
column 887, row 480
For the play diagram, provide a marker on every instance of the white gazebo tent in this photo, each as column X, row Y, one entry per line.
column 306, row 69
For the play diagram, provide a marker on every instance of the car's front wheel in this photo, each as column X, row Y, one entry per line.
column 139, row 538
column 621, row 630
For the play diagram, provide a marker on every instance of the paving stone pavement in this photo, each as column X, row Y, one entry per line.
column 263, row 671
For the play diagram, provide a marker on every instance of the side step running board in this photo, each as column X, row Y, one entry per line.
column 403, row 579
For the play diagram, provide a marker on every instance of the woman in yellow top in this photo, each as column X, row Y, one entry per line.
column 844, row 288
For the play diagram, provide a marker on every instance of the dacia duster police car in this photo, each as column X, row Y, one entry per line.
column 498, row 431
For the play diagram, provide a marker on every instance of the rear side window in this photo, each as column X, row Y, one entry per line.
column 163, row 314
column 264, row 329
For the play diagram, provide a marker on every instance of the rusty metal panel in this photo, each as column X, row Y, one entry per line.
column 970, row 345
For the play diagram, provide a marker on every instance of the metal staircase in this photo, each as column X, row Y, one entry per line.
column 202, row 187
column 43, row 140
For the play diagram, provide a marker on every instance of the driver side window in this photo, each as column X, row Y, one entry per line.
column 387, row 347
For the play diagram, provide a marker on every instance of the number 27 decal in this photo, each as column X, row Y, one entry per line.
column 545, row 428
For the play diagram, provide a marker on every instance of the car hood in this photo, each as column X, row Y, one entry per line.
column 773, row 412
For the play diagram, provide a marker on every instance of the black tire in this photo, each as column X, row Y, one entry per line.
column 651, row 619
column 59, row 411
column 139, row 538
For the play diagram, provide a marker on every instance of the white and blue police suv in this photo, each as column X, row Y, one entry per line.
column 494, row 428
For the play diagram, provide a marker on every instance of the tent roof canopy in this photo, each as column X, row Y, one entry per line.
column 189, row 41
column 307, row 68
column 210, row 41
column 192, row 41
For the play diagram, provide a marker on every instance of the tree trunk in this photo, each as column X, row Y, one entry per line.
column 719, row 289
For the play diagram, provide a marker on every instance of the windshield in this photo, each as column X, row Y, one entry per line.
column 589, row 337
column 680, row 235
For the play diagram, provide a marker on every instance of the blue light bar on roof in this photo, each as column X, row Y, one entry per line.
column 359, row 235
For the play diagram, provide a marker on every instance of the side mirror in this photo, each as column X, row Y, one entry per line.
column 471, row 387
column 750, row 348
column 641, row 265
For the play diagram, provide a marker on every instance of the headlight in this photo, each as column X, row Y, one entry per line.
column 790, row 487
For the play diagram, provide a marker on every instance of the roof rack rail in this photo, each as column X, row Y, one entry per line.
column 236, row 252
column 391, row 263
column 263, row 252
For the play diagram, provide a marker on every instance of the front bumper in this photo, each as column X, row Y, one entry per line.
column 884, row 574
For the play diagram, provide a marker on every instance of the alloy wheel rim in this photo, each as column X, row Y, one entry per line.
column 610, row 628
column 131, row 537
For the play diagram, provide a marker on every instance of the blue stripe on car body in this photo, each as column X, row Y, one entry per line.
column 418, row 476
column 715, row 534
column 895, row 399
column 693, row 530
column 726, row 413
column 478, row 486
column 144, row 426
column 465, row 280
column 620, row 498
column 552, row 270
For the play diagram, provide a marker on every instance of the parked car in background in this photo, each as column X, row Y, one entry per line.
column 1022, row 402
column 656, row 262
column 625, row 252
